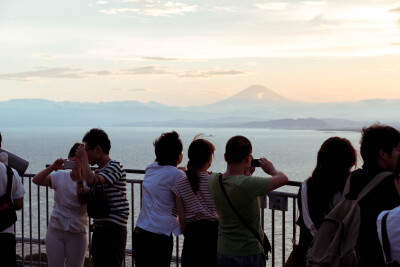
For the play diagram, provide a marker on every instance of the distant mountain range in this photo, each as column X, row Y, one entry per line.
column 255, row 107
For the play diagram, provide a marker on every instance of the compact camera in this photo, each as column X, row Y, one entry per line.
column 255, row 163
column 69, row 164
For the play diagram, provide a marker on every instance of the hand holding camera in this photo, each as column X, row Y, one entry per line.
column 267, row 166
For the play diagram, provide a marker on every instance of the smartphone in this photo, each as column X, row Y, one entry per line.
column 255, row 163
column 69, row 164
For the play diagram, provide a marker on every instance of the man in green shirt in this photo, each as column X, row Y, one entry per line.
column 237, row 246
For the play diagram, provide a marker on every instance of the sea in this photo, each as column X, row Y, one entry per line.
column 293, row 152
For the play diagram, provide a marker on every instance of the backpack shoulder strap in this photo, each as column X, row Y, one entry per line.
column 9, row 180
column 373, row 183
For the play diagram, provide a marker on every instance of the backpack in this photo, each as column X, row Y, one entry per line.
column 334, row 243
column 7, row 212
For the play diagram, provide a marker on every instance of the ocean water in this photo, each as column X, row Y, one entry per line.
column 291, row 151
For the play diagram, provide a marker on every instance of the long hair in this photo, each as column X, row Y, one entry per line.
column 335, row 159
column 200, row 152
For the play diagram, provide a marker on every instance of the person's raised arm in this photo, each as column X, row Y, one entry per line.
column 278, row 178
column 80, row 190
column 43, row 177
column 87, row 173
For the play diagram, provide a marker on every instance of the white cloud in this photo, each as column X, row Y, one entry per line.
column 154, row 9
column 276, row 6
column 101, row 2
column 212, row 73
column 221, row 9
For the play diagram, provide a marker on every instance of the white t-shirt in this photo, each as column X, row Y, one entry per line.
column 68, row 214
column 17, row 189
column 159, row 200
column 393, row 231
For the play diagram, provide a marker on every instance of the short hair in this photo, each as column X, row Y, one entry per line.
column 237, row 149
column 72, row 151
column 168, row 147
column 375, row 138
column 98, row 137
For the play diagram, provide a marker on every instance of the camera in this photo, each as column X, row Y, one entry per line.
column 69, row 164
column 255, row 163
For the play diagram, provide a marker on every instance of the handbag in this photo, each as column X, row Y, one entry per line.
column 386, row 244
column 8, row 215
column 265, row 243
column 97, row 202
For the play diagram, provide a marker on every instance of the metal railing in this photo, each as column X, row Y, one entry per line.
column 34, row 217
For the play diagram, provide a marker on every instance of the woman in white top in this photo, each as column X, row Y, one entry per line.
column 66, row 237
column 152, row 239
column 198, row 215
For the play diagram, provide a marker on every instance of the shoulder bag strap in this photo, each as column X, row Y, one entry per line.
column 242, row 220
column 9, row 180
column 385, row 239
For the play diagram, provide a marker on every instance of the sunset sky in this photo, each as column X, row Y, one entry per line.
column 198, row 52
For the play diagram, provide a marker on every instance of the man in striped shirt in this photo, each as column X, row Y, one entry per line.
column 109, row 233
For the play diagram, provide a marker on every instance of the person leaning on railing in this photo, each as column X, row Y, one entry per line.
column 152, row 240
column 237, row 246
column 7, row 235
column 322, row 191
column 109, row 232
column 198, row 215
column 66, row 236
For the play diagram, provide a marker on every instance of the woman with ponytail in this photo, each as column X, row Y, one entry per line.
column 198, row 216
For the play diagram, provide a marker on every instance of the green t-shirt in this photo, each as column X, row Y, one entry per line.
column 233, row 237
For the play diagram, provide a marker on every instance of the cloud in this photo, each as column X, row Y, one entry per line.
column 75, row 73
column 138, row 90
column 57, row 73
column 162, row 58
column 154, row 9
column 47, row 56
column 220, row 9
column 101, row 2
column 145, row 70
column 395, row 10
column 275, row 6
column 213, row 73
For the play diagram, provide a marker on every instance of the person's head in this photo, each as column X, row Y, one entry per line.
column 335, row 159
column 200, row 155
column 238, row 149
column 72, row 151
column 97, row 146
column 380, row 145
column 168, row 149
column 97, row 138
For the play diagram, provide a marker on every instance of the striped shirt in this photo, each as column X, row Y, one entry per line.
column 115, row 191
column 199, row 206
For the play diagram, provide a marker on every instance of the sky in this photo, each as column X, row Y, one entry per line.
column 187, row 53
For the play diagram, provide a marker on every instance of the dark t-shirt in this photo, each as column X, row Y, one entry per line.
column 383, row 197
